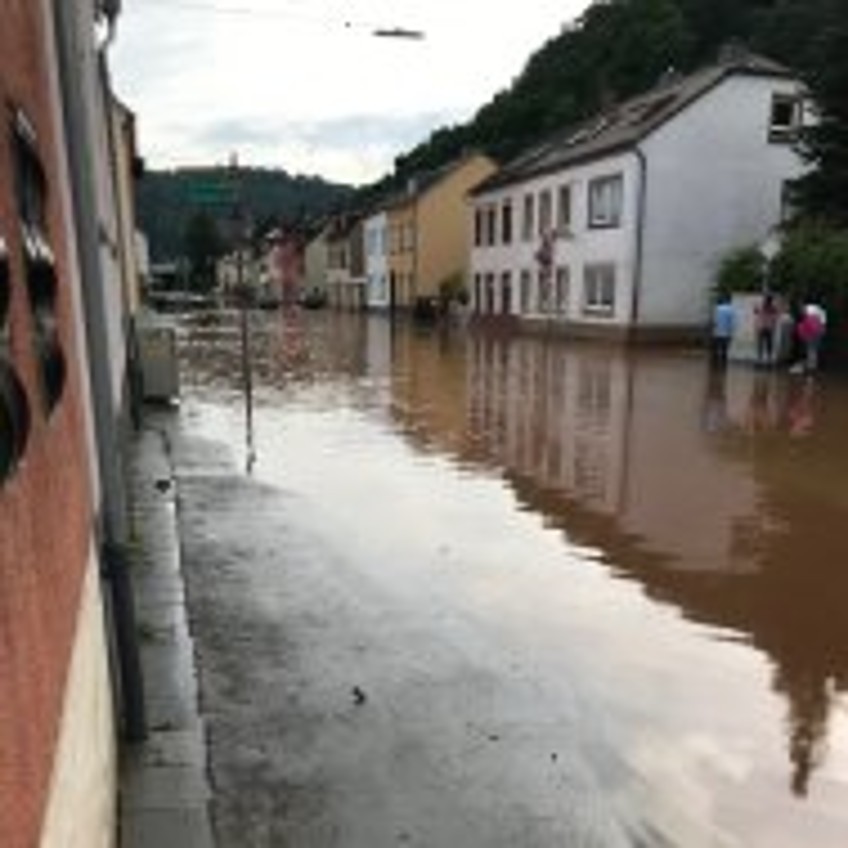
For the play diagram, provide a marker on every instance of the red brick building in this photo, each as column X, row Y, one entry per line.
column 56, row 714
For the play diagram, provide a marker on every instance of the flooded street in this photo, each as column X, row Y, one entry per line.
column 456, row 590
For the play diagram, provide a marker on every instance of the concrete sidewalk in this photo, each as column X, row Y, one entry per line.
column 164, row 788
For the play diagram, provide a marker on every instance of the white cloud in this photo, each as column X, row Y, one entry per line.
column 305, row 86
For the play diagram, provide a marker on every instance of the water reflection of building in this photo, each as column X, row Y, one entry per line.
column 618, row 437
column 698, row 489
column 429, row 387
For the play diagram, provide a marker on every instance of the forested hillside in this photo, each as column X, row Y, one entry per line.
column 619, row 48
column 169, row 200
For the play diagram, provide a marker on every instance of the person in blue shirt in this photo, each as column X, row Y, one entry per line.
column 724, row 326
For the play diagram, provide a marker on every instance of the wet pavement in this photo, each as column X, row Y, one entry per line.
column 164, row 797
column 473, row 591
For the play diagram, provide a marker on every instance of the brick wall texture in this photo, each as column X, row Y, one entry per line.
column 45, row 520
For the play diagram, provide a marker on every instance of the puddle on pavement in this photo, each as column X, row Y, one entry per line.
column 668, row 544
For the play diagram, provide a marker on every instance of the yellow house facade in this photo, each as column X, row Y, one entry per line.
column 428, row 230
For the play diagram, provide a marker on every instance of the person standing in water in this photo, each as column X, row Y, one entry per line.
column 724, row 326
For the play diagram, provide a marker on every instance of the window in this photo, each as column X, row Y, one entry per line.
column 526, row 293
column 785, row 118
column 561, row 286
column 491, row 225
column 543, row 287
column 564, row 208
column 506, row 222
column 506, row 293
column 478, row 227
column 545, row 212
column 39, row 264
column 14, row 409
column 599, row 290
column 490, row 294
column 529, row 217
column 478, row 293
column 606, row 195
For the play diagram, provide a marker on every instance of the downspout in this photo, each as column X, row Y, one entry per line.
column 113, row 529
column 641, row 213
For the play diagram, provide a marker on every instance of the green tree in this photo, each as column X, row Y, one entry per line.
column 824, row 192
column 741, row 270
column 203, row 245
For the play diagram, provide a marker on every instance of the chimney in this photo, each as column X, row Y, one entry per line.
column 733, row 52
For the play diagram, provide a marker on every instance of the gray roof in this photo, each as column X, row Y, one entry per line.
column 627, row 123
column 422, row 181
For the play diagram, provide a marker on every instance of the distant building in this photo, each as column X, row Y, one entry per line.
column 378, row 292
column 616, row 228
column 315, row 265
column 284, row 259
column 238, row 269
column 427, row 229
column 346, row 262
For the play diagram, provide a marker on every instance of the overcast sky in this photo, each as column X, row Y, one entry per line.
column 303, row 85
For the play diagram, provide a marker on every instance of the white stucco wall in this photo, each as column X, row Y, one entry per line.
column 714, row 183
column 315, row 264
column 376, row 261
column 586, row 245
column 81, row 806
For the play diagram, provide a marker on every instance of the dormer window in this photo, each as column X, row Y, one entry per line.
column 785, row 118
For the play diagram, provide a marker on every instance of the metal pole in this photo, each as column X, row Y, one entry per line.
column 246, row 368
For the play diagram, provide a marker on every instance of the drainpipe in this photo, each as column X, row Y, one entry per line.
column 642, row 207
column 113, row 524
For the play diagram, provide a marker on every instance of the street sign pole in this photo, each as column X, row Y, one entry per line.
column 244, row 321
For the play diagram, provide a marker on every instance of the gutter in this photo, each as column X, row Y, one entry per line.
column 638, row 269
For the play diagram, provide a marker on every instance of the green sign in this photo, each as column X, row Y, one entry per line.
column 212, row 194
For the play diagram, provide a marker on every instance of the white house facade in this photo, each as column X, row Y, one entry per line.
column 618, row 228
column 378, row 295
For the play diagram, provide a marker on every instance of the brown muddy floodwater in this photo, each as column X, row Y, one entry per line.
column 600, row 597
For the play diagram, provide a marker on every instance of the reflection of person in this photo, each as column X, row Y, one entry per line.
column 800, row 411
column 766, row 315
column 784, row 334
column 759, row 407
column 811, row 329
column 715, row 404
column 724, row 326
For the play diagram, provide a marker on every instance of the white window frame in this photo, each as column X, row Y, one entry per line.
column 525, row 294
column 564, row 209
column 606, row 201
column 782, row 132
column 529, row 217
column 491, row 226
column 546, row 211
column 506, row 285
column 600, row 280
column 543, row 292
column 507, row 222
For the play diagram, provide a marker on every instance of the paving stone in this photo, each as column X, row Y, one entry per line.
column 164, row 786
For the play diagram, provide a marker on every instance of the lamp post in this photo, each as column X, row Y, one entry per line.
column 241, row 240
